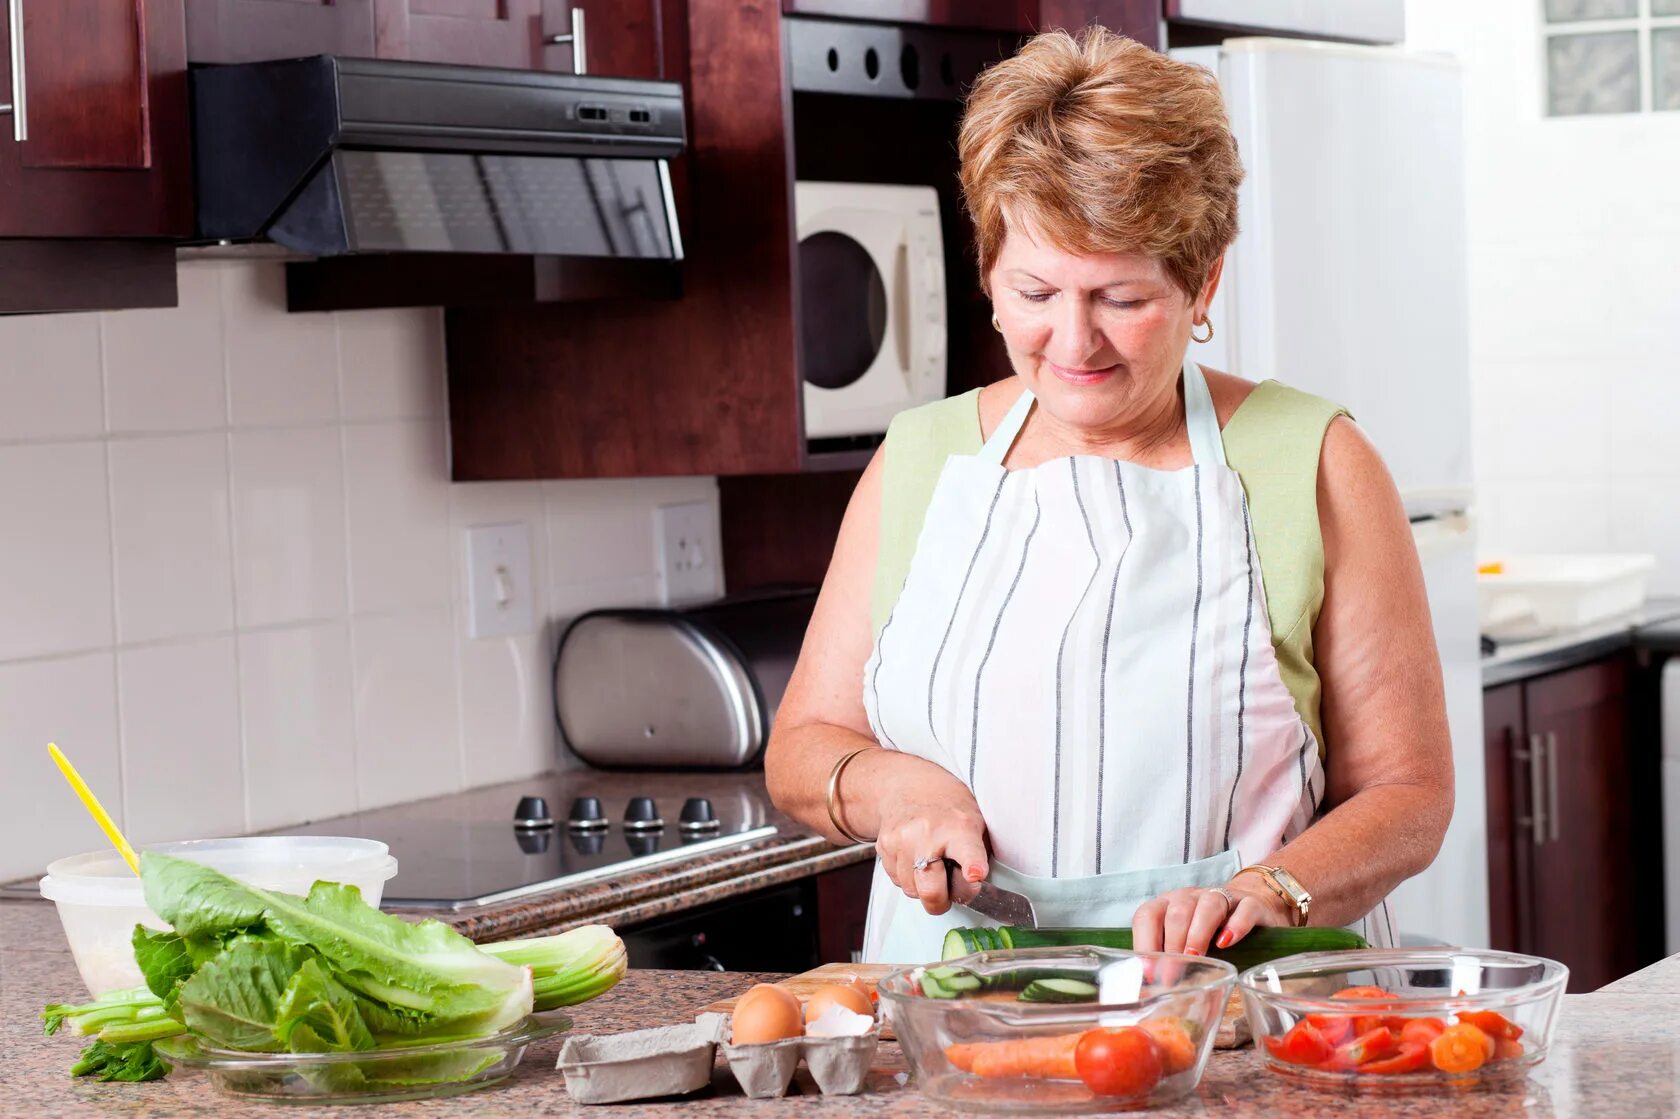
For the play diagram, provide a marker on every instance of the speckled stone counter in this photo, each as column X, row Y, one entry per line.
column 1617, row 1054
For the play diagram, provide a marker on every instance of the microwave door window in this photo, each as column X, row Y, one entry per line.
column 843, row 309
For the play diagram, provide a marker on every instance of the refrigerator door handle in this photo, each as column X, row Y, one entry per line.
column 1552, row 814
column 1535, row 759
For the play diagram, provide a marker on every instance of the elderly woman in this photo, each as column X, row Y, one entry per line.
column 1144, row 641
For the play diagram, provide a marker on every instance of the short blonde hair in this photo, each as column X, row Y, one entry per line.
column 1101, row 145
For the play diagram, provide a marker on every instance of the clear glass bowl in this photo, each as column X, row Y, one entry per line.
column 1132, row 988
column 1512, row 999
column 413, row 1073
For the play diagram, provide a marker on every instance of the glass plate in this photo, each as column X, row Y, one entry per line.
column 417, row 1072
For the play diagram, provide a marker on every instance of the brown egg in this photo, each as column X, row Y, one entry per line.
column 765, row 1013
column 845, row 995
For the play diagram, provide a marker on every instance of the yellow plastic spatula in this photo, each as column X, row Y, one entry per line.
column 95, row 809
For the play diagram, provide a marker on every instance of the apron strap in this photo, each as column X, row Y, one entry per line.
column 997, row 447
column 1207, row 446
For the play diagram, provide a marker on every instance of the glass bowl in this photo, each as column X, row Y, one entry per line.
column 412, row 1073
column 960, row 1041
column 1385, row 1038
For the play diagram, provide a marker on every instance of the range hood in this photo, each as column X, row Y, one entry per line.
column 419, row 183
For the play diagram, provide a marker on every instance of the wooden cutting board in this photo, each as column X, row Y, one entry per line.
column 1233, row 1024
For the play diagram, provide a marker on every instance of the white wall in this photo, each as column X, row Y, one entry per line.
column 1575, row 300
column 231, row 570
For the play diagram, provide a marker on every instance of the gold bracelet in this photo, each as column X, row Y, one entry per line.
column 834, row 795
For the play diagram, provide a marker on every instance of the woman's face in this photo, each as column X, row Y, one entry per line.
column 1099, row 338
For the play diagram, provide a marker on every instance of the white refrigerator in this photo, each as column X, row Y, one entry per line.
column 1349, row 280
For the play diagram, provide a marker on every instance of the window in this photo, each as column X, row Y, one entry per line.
column 1611, row 56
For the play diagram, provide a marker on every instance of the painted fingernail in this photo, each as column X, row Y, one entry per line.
column 1192, row 951
column 1225, row 939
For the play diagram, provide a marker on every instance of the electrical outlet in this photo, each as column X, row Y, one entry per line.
column 500, row 596
column 689, row 552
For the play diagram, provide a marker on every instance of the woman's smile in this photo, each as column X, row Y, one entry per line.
column 1082, row 376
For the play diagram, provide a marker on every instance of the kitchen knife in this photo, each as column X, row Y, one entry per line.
column 1003, row 906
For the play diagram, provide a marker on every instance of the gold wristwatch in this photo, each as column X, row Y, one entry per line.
column 1284, row 885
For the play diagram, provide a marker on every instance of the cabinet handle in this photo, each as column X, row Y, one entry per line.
column 1553, row 816
column 576, row 39
column 1535, row 757
column 19, row 106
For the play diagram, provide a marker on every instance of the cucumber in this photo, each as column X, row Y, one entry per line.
column 933, row 988
column 1260, row 946
column 948, row 982
column 1059, row 990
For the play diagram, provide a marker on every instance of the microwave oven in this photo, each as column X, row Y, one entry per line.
column 872, row 333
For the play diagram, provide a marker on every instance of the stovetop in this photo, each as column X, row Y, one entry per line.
column 467, row 850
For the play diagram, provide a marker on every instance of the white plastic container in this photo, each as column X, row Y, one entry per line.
column 100, row 900
column 1536, row 595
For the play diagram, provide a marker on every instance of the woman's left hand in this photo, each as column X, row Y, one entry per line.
column 1187, row 920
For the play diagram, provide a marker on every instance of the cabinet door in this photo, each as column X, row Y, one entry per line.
column 253, row 30
column 1371, row 21
column 1583, row 878
column 1507, row 802
column 104, row 107
column 470, row 32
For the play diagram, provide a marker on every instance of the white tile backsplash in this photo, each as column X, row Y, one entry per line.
column 49, row 377
column 183, row 765
column 288, row 567
column 169, row 513
column 288, row 525
column 71, row 701
column 55, row 557
column 164, row 368
column 299, row 721
column 407, row 708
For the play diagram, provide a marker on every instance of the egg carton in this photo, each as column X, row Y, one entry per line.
column 642, row 1064
column 839, row 1065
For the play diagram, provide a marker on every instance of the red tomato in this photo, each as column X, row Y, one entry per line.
column 1505, row 1049
column 1362, row 993
column 1302, row 1045
column 1422, row 1030
column 1492, row 1023
column 1371, row 1046
column 1412, row 1057
column 1122, row 1062
column 1336, row 1028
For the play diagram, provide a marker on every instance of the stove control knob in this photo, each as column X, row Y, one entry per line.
column 642, row 815
column 697, row 816
column 587, row 815
column 532, row 813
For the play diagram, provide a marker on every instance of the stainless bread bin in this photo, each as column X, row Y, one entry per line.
column 695, row 688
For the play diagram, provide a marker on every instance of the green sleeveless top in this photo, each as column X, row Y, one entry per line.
column 1272, row 441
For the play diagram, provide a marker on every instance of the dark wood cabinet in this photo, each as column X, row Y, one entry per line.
column 1565, row 828
column 254, row 30
column 105, row 104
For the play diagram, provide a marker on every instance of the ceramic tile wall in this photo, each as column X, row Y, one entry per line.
column 1574, row 317
column 231, row 565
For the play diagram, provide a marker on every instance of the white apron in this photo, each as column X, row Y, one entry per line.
column 1085, row 644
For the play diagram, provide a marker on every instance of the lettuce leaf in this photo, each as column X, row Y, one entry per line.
column 317, row 1015
column 233, row 1001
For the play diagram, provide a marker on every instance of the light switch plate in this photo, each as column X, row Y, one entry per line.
column 689, row 551
column 500, row 596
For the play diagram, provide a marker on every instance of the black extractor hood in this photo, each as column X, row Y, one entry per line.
column 414, row 183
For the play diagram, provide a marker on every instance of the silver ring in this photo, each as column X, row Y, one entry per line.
column 923, row 864
column 1230, row 898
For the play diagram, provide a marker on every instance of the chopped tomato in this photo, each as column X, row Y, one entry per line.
column 1372, row 1046
column 1411, row 1057
column 1363, row 993
column 1302, row 1045
column 1506, row 1049
column 1492, row 1023
column 1336, row 1028
column 1461, row 1048
column 1422, row 1030
column 1122, row 1062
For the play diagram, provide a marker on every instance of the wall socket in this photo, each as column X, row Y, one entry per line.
column 501, row 598
column 689, row 551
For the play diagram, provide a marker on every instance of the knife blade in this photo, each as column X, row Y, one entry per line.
column 1003, row 906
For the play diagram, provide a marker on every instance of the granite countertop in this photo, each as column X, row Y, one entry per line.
column 1617, row 1053
column 1656, row 625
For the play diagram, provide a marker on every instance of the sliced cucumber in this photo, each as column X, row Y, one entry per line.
column 963, row 984
column 1059, row 990
column 1260, row 946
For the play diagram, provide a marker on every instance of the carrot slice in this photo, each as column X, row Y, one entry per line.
column 1460, row 1048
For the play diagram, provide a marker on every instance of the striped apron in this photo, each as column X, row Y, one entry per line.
column 1085, row 645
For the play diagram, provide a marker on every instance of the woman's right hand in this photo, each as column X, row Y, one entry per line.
column 927, row 815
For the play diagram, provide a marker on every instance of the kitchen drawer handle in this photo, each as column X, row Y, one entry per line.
column 19, row 106
column 1535, row 757
column 1553, row 816
column 576, row 39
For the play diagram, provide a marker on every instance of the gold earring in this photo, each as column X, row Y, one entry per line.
column 997, row 326
column 1208, row 337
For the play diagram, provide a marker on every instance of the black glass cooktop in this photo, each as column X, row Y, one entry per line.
column 466, row 850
